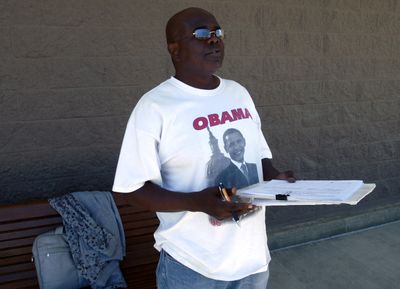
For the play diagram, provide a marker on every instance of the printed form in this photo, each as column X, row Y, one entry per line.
column 307, row 192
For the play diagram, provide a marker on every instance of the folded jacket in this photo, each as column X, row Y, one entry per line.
column 94, row 232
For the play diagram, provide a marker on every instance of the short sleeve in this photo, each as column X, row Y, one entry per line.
column 265, row 151
column 138, row 160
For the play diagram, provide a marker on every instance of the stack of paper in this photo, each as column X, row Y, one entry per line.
column 306, row 192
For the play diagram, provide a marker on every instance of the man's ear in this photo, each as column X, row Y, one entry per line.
column 173, row 49
column 226, row 148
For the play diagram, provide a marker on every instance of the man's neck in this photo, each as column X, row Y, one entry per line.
column 238, row 164
column 209, row 82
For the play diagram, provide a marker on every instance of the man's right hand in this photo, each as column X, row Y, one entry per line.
column 210, row 202
column 154, row 198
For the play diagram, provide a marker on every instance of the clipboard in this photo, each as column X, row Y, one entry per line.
column 349, row 192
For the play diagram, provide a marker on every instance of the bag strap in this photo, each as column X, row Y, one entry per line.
column 59, row 230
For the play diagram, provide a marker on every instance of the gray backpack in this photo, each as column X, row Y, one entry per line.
column 54, row 264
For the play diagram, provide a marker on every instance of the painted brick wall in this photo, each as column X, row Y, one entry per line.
column 325, row 76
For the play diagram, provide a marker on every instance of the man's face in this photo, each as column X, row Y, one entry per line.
column 200, row 57
column 234, row 146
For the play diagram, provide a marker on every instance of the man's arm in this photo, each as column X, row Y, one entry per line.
column 157, row 199
column 154, row 198
column 269, row 172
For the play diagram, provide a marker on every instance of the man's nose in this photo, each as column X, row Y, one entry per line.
column 213, row 39
column 237, row 146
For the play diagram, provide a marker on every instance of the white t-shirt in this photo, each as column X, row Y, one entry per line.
column 174, row 138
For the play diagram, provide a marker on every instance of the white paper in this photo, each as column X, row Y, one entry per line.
column 307, row 192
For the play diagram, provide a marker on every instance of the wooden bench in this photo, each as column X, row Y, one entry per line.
column 21, row 223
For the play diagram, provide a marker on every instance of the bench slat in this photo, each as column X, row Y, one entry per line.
column 23, row 211
column 7, row 261
column 26, row 224
column 18, row 276
column 17, row 268
column 23, row 234
column 22, row 284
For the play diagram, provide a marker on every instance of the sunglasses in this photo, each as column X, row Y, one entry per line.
column 205, row 33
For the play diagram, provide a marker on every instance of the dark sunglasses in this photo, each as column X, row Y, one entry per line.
column 205, row 33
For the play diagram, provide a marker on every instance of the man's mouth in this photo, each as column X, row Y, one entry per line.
column 238, row 153
column 215, row 52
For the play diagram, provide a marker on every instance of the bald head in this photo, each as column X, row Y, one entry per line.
column 195, row 59
column 177, row 24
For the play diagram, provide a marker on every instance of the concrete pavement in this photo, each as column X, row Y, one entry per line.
column 365, row 259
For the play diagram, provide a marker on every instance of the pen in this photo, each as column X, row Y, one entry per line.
column 226, row 197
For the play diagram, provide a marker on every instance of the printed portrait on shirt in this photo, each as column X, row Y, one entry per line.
column 239, row 173
column 232, row 171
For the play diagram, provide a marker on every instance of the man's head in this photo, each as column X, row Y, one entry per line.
column 234, row 144
column 191, row 56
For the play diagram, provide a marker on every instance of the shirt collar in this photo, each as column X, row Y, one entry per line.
column 238, row 164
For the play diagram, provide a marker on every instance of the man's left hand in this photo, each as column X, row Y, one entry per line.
column 287, row 175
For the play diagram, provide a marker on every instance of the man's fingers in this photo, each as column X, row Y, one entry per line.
column 232, row 191
column 290, row 176
column 242, row 208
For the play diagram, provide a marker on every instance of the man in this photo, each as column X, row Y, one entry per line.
column 163, row 165
column 239, row 173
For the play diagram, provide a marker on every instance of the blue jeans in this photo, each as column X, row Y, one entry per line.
column 173, row 275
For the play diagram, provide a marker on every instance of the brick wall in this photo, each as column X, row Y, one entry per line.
column 325, row 76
